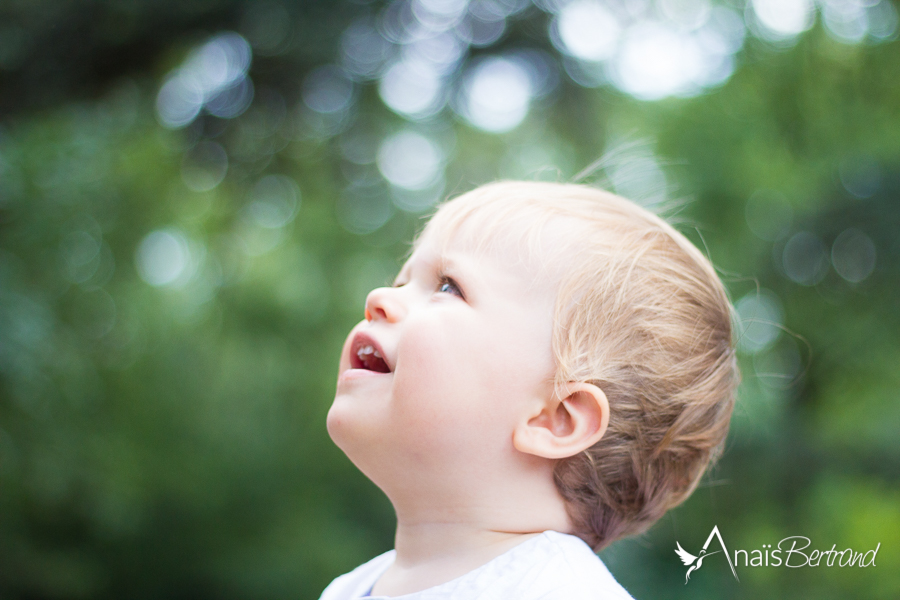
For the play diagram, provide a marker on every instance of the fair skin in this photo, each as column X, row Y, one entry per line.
column 455, row 417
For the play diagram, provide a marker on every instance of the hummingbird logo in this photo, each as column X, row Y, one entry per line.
column 696, row 561
column 687, row 558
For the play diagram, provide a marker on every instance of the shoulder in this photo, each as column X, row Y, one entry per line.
column 550, row 566
column 572, row 571
column 360, row 580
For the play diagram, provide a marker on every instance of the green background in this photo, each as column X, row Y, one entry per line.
column 168, row 441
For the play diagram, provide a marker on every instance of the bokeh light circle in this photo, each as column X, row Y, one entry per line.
column 805, row 258
column 410, row 160
column 760, row 317
column 587, row 30
column 853, row 255
column 163, row 257
column 496, row 94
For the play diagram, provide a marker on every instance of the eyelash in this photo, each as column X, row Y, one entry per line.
column 443, row 280
column 448, row 281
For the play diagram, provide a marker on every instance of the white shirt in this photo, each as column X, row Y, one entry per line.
column 549, row 566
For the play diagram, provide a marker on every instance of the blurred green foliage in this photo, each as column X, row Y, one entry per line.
column 162, row 432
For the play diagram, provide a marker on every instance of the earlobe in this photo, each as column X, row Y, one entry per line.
column 564, row 427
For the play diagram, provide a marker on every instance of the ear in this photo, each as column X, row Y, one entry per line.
column 564, row 427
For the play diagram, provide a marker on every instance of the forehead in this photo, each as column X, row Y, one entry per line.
column 484, row 258
column 527, row 238
column 463, row 253
column 481, row 230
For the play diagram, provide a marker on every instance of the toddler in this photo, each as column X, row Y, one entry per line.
column 552, row 370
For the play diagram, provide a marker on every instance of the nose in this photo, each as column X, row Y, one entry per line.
column 384, row 304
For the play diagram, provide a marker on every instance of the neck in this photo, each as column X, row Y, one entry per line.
column 446, row 540
column 430, row 543
column 430, row 553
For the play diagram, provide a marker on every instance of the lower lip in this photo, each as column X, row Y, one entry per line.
column 360, row 374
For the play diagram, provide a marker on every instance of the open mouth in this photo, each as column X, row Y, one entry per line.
column 365, row 354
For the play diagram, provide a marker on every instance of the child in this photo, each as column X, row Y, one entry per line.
column 551, row 371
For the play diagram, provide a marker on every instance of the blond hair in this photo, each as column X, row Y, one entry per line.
column 641, row 313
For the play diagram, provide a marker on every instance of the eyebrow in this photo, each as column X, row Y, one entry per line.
column 447, row 266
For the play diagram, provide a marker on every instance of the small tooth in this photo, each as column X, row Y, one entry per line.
column 365, row 350
column 377, row 353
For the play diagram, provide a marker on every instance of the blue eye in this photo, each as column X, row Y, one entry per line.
column 448, row 286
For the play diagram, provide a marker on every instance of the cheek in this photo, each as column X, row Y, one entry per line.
column 435, row 383
column 456, row 376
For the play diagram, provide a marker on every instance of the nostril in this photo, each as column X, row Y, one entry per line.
column 386, row 305
column 376, row 313
column 381, row 306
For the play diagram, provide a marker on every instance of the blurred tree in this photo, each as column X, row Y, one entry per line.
column 195, row 198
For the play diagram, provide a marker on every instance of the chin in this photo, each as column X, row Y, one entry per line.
column 336, row 423
column 353, row 438
column 346, row 429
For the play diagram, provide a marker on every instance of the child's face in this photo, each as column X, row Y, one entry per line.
column 449, row 360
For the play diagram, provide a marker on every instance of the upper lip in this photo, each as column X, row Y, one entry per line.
column 364, row 339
